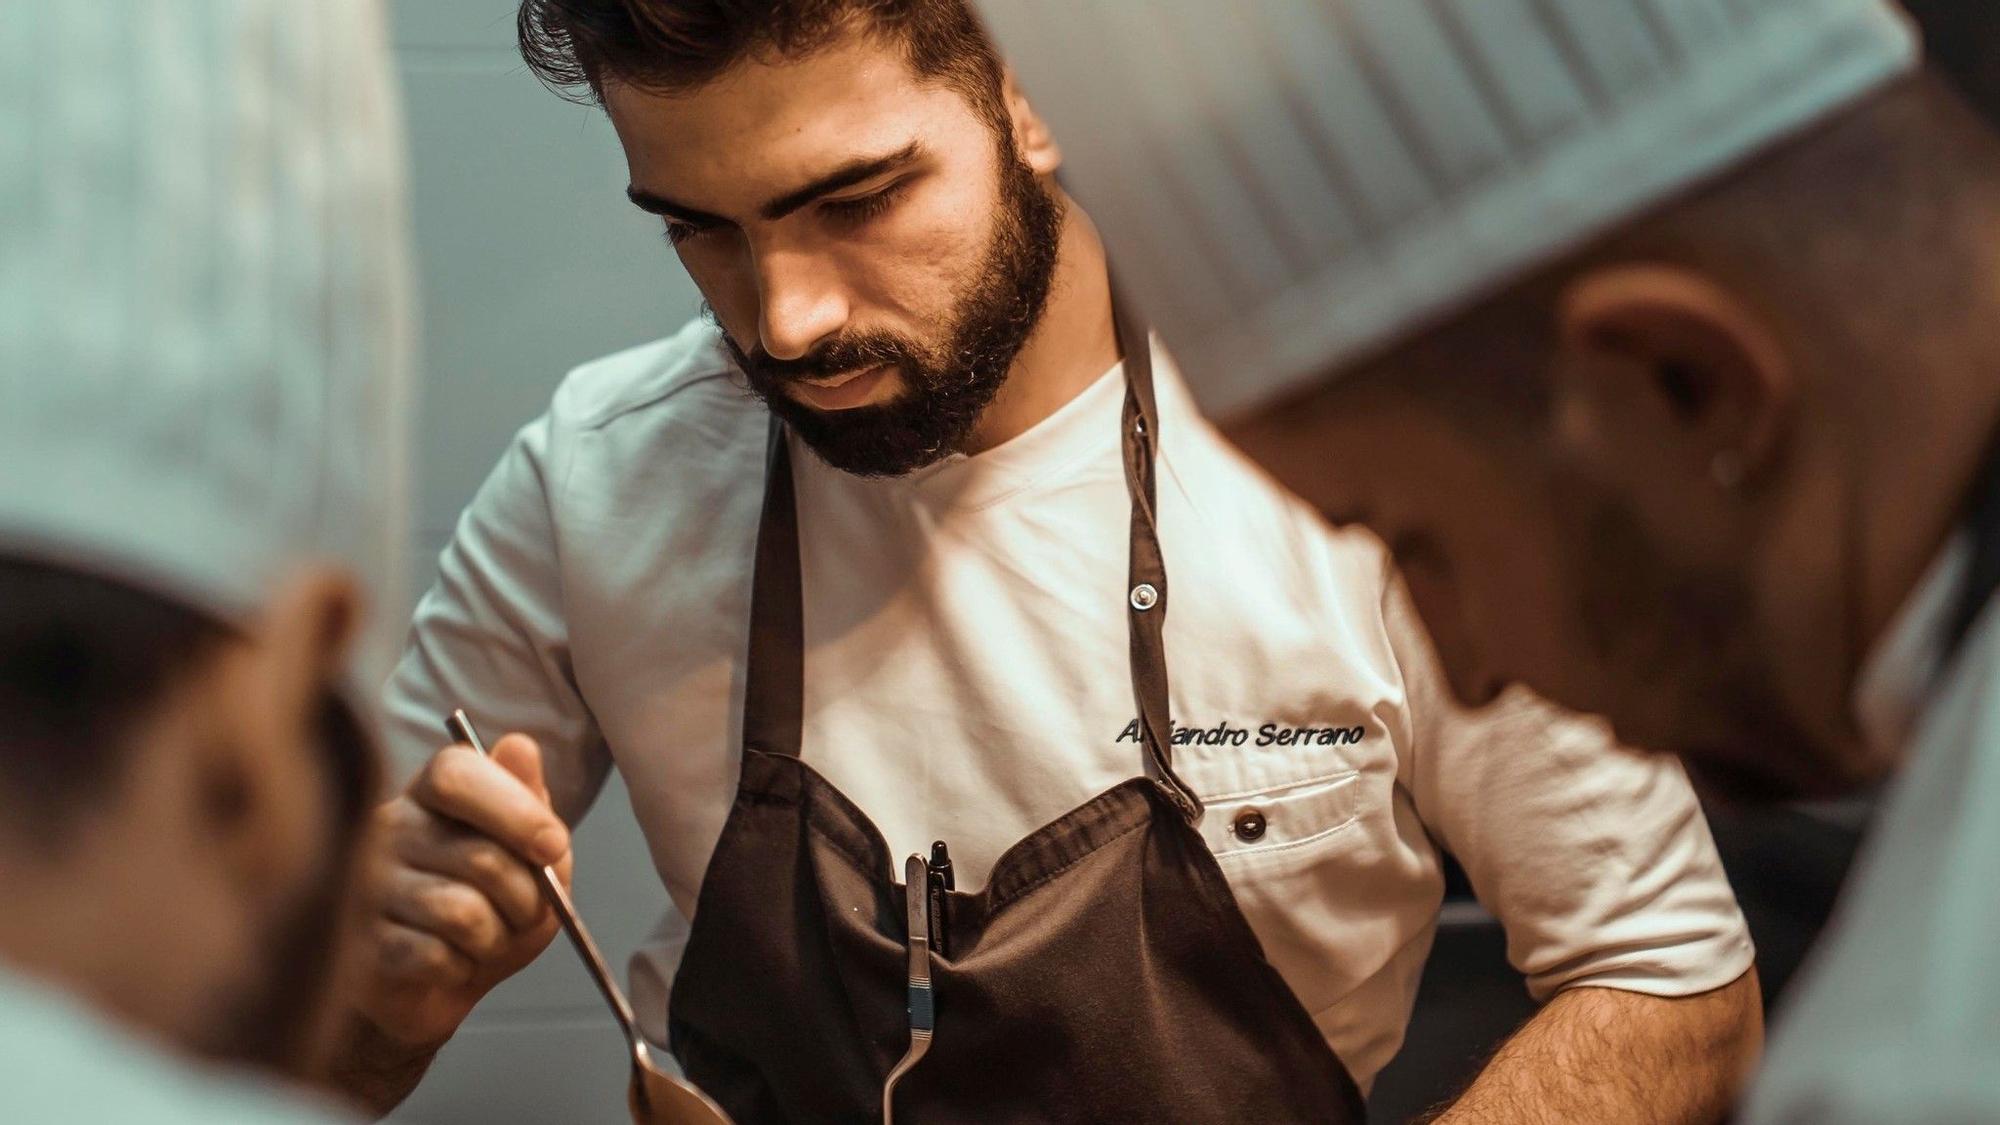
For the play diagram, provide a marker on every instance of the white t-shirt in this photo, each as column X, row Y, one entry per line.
column 967, row 680
column 62, row 1064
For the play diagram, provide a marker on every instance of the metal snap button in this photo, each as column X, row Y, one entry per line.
column 1144, row 597
column 1249, row 826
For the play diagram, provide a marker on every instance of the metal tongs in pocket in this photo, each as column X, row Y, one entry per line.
column 922, row 1007
column 657, row 1097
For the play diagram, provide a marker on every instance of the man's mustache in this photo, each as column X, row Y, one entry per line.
column 836, row 357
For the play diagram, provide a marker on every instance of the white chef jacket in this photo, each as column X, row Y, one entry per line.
column 967, row 680
column 61, row 1064
column 1897, row 1017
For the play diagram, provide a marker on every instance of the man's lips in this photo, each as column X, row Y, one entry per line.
column 845, row 391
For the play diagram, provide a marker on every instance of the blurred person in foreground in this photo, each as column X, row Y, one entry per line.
column 201, row 364
column 1672, row 376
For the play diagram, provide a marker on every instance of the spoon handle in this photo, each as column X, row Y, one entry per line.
column 459, row 726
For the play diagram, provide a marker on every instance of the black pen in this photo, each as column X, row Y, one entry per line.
column 938, row 880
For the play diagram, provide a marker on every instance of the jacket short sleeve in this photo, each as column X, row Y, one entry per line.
column 491, row 635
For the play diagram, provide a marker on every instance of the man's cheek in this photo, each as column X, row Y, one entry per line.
column 921, row 270
column 728, row 286
column 1513, row 604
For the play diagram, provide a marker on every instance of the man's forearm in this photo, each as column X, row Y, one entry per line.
column 1600, row 1054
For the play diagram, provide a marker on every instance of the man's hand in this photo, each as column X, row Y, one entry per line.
column 460, row 906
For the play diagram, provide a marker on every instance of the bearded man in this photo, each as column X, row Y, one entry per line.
column 873, row 561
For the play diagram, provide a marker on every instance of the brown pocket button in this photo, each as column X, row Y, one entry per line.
column 1249, row 826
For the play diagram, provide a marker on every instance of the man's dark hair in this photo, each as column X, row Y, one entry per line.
column 675, row 46
column 82, row 660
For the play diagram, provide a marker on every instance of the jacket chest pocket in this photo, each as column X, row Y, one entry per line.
column 1254, row 823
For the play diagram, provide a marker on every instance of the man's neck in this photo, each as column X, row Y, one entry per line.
column 1915, row 483
column 1072, row 346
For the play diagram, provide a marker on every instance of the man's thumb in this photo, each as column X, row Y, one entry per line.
column 519, row 755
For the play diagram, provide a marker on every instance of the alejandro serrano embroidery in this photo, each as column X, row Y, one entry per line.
column 1270, row 734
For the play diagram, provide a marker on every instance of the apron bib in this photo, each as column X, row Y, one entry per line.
column 1103, row 974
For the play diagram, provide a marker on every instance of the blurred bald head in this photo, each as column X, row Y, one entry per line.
column 1674, row 441
column 204, row 352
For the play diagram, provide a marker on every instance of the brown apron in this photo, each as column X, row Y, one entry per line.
column 1104, row 974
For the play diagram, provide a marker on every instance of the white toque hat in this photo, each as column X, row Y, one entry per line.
column 205, row 319
column 1286, row 183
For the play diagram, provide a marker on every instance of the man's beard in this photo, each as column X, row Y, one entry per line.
column 947, row 387
column 277, row 1016
column 280, row 1014
column 1696, row 629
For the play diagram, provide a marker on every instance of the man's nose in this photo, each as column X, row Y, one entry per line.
column 800, row 303
column 1471, row 678
column 1473, row 686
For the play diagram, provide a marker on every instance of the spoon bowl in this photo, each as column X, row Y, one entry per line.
column 660, row 1098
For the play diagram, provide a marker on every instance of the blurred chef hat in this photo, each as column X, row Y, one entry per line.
column 1287, row 183
column 204, row 308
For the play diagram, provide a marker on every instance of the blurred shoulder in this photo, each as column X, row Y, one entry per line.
column 61, row 1061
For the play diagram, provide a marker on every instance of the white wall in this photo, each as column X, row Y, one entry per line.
column 531, row 262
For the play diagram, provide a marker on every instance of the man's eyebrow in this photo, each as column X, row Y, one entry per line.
column 661, row 205
column 847, row 175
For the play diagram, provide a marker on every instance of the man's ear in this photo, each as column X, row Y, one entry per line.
column 1032, row 139
column 306, row 633
column 1680, row 355
column 260, row 780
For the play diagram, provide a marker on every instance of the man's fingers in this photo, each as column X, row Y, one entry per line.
column 446, row 850
column 409, row 956
column 485, row 796
column 451, row 911
column 519, row 755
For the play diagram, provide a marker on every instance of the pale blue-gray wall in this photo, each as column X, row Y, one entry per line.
column 531, row 263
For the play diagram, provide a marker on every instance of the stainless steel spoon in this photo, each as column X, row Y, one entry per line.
column 656, row 1096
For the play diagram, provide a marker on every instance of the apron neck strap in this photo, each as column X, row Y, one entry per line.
column 1146, row 586
column 774, row 680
